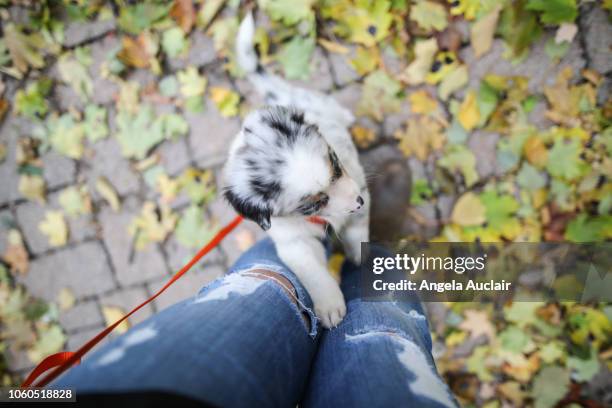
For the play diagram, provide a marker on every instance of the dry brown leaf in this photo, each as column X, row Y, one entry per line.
column 477, row 322
column 183, row 12
column 15, row 254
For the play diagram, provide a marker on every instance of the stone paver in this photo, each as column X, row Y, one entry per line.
column 58, row 170
column 31, row 214
column 187, row 287
column 127, row 299
column 77, row 32
column 83, row 315
column 82, row 268
column 130, row 266
column 108, row 162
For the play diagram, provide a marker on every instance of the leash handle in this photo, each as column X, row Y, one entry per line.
column 64, row 360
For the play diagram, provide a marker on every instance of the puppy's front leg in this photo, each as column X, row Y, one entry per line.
column 306, row 258
column 356, row 231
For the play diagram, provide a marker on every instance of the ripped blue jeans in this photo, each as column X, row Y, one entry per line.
column 246, row 340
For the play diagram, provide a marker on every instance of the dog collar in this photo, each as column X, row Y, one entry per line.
column 316, row 220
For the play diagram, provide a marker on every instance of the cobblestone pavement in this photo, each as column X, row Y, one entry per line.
column 97, row 263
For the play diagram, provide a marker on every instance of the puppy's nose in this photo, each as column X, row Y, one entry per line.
column 360, row 201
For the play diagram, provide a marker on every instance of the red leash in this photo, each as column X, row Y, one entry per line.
column 65, row 359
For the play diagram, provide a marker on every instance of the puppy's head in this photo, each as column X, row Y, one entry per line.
column 281, row 165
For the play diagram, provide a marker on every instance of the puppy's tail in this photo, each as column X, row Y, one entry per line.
column 245, row 53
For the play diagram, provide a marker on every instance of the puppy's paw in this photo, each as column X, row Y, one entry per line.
column 329, row 304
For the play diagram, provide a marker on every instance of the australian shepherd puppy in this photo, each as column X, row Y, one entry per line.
column 294, row 163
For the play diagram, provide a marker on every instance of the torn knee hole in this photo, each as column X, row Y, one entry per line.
column 283, row 283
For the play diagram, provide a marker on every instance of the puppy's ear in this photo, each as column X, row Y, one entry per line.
column 259, row 213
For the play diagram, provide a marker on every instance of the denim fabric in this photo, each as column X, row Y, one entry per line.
column 242, row 342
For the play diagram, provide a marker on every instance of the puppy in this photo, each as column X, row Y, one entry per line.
column 290, row 162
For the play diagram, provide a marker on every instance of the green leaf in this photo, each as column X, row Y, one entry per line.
column 288, row 12
column 519, row 28
column 32, row 101
column 137, row 134
column 514, row 339
column 429, row 15
column 169, row 86
column 589, row 229
column 380, row 95
column 460, row 158
column 550, row 386
column 50, row 340
column 584, row 370
column 530, row 178
column 421, row 192
column 174, row 42
column 486, row 100
column 554, row 11
column 476, row 364
column 363, row 22
column 174, row 125
column 66, row 135
column 138, row 17
column 95, row 123
column 75, row 73
column 193, row 229
column 564, row 160
column 294, row 57
column 552, row 351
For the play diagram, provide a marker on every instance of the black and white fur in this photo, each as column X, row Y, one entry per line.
column 292, row 160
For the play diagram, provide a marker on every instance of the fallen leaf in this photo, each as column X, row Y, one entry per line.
column 107, row 191
column 74, row 72
column 379, row 95
column 94, row 125
column 477, row 323
column 226, row 100
column 112, row 314
column 424, row 52
column 49, row 341
column 481, row 32
column 288, row 12
column 15, row 253
column 55, row 228
column 66, row 135
column 32, row 187
column 362, row 136
column 366, row 60
column 429, row 15
column 153, row 224
column 422, row 102
column 75, row 201
column 452, row 82
column 468, row 114
column 66, row 299
column 554, row 11
column 183, row 12
column 468, row 210
column 174, row 42
column 460, row 158
column 566, row 33
column 193, row 229
column 295, row 56
column 550, row 386
column 24, row 50
column 421, row 136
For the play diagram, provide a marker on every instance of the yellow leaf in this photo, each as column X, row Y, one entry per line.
column 481, row 32
column 32, row 187
column 421, row 136
column 363, row 136
column 453, row 81
column 226, row 100
column 424, row 52
column 75, row 200
column 334, row 47
column 55, row 228
column 112, row 314
column 468, row 211
column 152, row 225
column 468, row 114
column 535, row 151
column 335, row 265
column 422, row 102
column 366, row 60
column 65, row 299
column 107, row 191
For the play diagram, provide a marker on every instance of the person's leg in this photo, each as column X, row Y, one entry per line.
column 379, row 356
column 247, row 339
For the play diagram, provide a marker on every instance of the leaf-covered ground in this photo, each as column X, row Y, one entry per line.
column 502, row 108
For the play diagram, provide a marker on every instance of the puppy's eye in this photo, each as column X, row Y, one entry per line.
column 335, row 165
